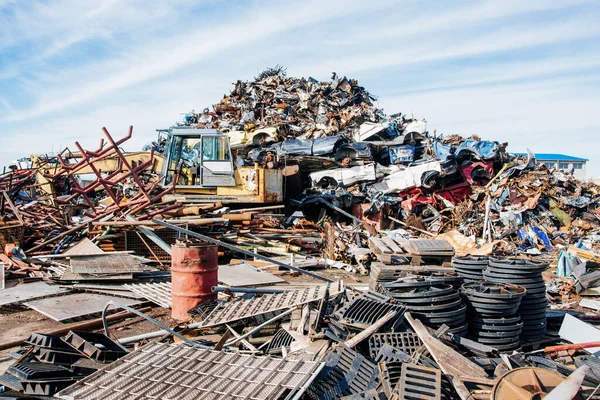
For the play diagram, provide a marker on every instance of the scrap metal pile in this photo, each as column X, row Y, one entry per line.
column 407, row 339
column 401, row 265
column 391, row 166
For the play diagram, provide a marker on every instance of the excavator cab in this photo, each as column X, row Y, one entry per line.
column 198, row 158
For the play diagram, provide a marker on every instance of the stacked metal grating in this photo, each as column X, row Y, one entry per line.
column 163, row 371
column 526, row 273
column 470, row 267
column 434, row 303
column 493, row 313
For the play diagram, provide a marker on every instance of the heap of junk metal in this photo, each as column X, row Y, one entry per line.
column 295, row 242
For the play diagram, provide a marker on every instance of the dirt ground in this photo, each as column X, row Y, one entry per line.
column 19, row 325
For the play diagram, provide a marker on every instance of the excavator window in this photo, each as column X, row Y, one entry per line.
column 214, row 148
column 200, row 161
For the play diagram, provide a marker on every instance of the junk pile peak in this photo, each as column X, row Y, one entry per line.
column 297, row 108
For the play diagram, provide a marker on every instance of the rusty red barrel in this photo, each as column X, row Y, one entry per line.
column 194, row 271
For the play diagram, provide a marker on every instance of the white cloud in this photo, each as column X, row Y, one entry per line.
column 7, row 105
column 162, row 57
column 454, row 47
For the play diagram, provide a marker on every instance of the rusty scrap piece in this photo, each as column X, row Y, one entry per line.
column 365, row 310
column 526, row 383
column 91, row 160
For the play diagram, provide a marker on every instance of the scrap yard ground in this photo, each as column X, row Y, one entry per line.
column 294, row 241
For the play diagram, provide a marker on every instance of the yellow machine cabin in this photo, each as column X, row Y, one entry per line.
column 202, row 163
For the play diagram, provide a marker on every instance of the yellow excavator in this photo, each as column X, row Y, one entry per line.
column 201, row 162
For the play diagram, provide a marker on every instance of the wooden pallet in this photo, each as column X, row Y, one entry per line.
column 402, row 251
column 382, row 273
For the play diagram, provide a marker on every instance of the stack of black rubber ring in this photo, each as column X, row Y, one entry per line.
column 471, row 267
column 526, row 273
column 434, row 303
column 493, row 313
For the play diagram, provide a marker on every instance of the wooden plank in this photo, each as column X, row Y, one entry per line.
column 450, row 362
column 364, row 334
column 384, row 258
column 389, row 242
column 379, row 244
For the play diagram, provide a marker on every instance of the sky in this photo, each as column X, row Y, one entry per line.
column 522, row 72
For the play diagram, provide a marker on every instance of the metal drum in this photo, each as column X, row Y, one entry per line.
column 194, row 271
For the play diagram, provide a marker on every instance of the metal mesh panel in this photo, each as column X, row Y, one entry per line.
column 134, row 243
column 163, row 371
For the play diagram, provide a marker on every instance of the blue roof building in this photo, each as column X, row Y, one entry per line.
column 562, row 162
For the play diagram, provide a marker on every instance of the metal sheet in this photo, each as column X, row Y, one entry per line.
column 238, row 310
column 85, row 246
column 77, row 305
column 163, row 371
column 576, row 331
column 69, row 276
column 241, row 275
column 29, row 291
column 108, row 264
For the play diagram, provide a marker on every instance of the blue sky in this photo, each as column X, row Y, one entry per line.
column 524, row 72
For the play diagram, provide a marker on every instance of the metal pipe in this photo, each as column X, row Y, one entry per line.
column 147, row 318
column 259, row 327
column 152, row 335
column 237, row 249
column 247, row 290
column 571, row 346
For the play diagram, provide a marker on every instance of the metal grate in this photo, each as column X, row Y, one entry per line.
column 390, row 353
column 280, row 339
column 419, row 382
column 238, row 310
column 408, row 342
column 156, row 292
column 345, row 373
column 162, row 371
column 134, row 241
column 364, row 310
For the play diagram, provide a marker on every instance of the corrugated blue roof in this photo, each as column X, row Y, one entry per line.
column 553, row 157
